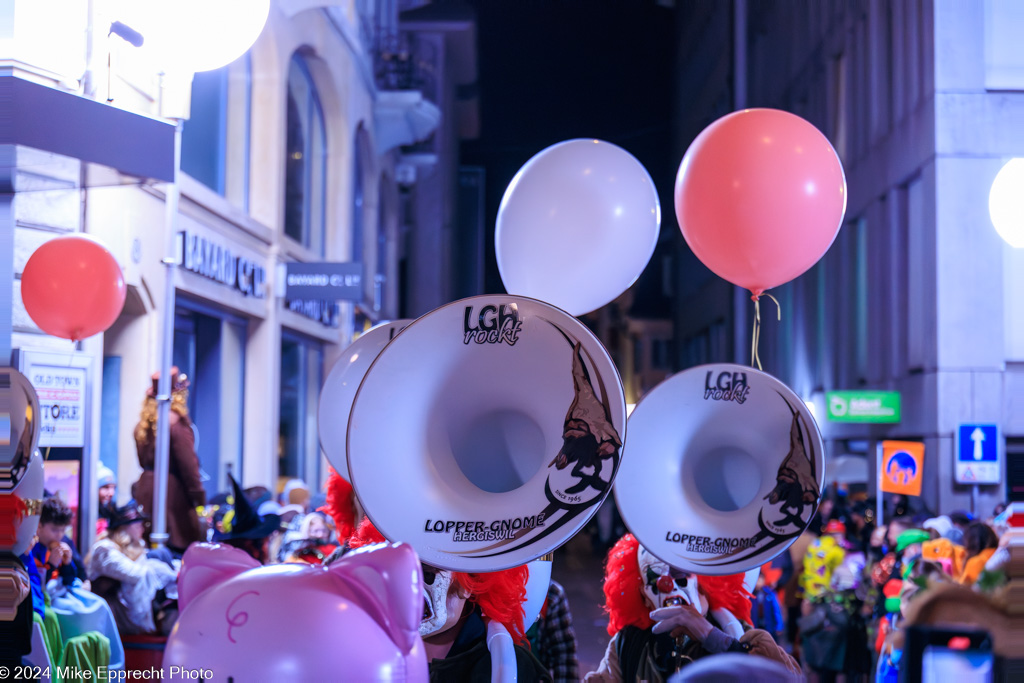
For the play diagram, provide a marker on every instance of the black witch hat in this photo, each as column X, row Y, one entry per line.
column 246, row 522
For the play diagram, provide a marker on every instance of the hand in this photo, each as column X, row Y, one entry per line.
column 56, row 557
column 681, row 621
column 65, row 553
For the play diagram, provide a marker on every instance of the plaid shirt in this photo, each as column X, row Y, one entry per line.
column 556, row 644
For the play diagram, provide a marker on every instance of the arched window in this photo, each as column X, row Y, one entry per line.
column 305, row 161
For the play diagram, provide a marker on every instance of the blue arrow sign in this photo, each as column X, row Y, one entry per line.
column 977, row 454
column 978, row 443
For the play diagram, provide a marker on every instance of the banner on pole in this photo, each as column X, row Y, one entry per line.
column 902, row 467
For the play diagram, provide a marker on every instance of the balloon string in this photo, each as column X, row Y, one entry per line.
column 755, row 358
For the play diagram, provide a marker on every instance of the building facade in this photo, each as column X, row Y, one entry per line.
column 299, row 151
column 923, row 102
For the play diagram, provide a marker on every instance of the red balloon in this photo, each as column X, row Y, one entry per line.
column 760, row 196
column 73, row 287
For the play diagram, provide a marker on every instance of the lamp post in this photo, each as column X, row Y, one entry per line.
column 193, row 35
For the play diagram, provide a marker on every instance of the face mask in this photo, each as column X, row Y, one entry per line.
column 443, row 604
column 666, row 586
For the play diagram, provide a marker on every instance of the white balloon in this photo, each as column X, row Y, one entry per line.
column 339, row 390
column 577, row 225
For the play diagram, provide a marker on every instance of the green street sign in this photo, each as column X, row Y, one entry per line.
column 863, row 406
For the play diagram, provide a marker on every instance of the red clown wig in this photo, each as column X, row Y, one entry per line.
column 624, row 590
column 500, row 595
column 12, row 511
column 340, row 505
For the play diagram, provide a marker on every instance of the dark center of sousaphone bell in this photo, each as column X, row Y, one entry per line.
column 498, row 451
column 729, row 477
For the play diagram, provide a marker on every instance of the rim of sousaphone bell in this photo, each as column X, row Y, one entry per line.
column 487, row 433
column 340, row 387
column 725, row 469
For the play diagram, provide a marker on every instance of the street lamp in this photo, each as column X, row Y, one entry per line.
column 186, row 36
column 1006, row 203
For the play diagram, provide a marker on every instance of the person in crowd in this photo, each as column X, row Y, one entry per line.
column 833, row 630
column 106, row 485
column 941, row 548
column 54, row 553
column 130, row 581
column 792, row 589
column 765, row 612
column 980, row 543
column 961, row 520
column 553, row 639
column 823, row 555
column 296, row 492
column 896, row 527
column 661, row 618
column 308, row 539
column 184, row 486
column 243, row 528
column 862, row 525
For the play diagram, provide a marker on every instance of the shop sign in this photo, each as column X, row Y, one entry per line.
column 323, row 281
column 863, row 406
column 61, row 392
column 205, row 257
column 327, row 313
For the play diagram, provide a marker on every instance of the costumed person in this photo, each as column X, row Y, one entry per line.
column 980, row 543
column 130, row 581
column 184, row 486
column 343, row 508
column 243, row 528
column 457, row 610
column 308, row 539
column 661, row 618
column 106, row 489
column 835, row 638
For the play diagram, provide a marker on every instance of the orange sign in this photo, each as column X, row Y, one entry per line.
column 902, row 467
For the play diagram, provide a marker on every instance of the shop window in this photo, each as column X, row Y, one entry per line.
column 209, row 347
column 215, row 137
column 306, row 160
column 203, row 135
column 298, row 444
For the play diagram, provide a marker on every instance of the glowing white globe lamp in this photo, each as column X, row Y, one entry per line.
column 1006, row 203
column 197, row 35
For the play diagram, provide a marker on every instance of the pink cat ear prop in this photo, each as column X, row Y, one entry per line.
column 208, row 564
column 379, row 576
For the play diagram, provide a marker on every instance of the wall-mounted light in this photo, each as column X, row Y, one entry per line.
column 1006, row 203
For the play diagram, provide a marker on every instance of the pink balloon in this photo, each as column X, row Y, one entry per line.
column 73, row 287
column 760, row 196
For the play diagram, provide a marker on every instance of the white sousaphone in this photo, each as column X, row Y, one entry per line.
column 487, row 433
column 340, row 387
column 725, row 469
